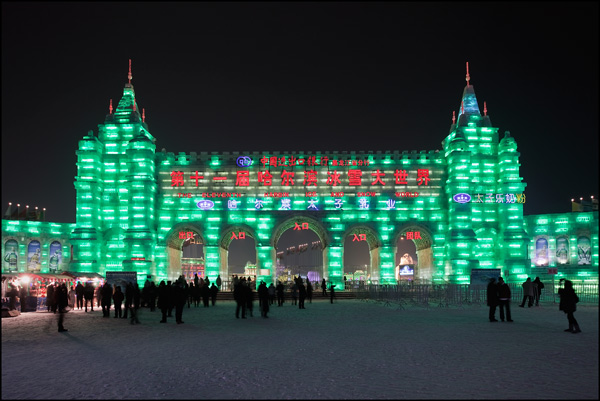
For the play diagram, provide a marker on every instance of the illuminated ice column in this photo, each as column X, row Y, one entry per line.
column 387, row 264
column 265, row 254
column 212, row 259
column 333, row 273
column 140, row 235
column 86, row 237
column 461, row 236
column 511, row 185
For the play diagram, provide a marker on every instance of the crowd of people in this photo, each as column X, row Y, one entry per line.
column 499, row 295
column 175, row 295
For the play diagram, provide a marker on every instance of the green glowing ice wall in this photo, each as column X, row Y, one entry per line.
column 131, row 210
column 116, row 192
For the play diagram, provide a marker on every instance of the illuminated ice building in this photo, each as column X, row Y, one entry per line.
column 461, row 205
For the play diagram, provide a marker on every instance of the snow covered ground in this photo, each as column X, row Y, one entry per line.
column 349, row 350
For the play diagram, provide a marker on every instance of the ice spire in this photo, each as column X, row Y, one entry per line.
column 468, row 78
column 129, row 76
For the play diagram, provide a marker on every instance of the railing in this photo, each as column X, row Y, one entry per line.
column 444, row 295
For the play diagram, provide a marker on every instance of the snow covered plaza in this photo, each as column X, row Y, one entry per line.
column 349, row 350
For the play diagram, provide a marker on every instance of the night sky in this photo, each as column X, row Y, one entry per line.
column 226, row 76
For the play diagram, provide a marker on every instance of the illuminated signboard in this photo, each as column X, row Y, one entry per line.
column 489, row 198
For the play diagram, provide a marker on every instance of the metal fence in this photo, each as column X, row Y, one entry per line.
column 445, row 295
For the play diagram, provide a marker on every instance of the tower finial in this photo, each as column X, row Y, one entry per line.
column 453, row 117
column 143, row 115
column 129, row 77
column 484, row 108
column 468, row 76
column 110, row 109
column 462, row 107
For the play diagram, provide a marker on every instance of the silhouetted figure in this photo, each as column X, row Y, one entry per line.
column 294, row 291
column 240, row 299
column 128, row 298
column 118, row 297
column 153, row 291
column 538, row 293
column 196, row 294
column 309, row 291
column 205, row 291
column 331, row 292
column 249, row 295
column 49, row 297
column 301, row 293
column 163, row 301
column 170, row 298
column 568, row 304
column 88, row 295
column 213, row 293
column 13, row 293
column 23, row 298
column 180, row 293
column 79, row 292
column 62, row 302
column 271, row 290
column 324, row 287
column 492, row 299
column 219, row 282
column 135, row 306
column 527, row 293
column 263, row 297
column 107, row 291
column 504, row 299
column 280, row 293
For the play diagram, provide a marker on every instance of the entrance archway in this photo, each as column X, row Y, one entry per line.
column 365, row 234
column 189, row 233
column 421, row 237
column 238, row 236
column 301, row 224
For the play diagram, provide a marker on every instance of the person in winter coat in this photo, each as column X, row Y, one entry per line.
column 492, row 299
column 280, row 293
column 50, row 297
column 294, row 290
column 88, row 295
column 301, row 293
column 62, row 298
column 128, row 298
column 135, row 306
column 240, row 298
column 271, row 290
column 118, row 297
column 527, row 293
column 324, row 287
column 72, row 298
column 79, row 291
column 263, row 297
column 205, row 291
column 249, row 295
column 107, row 292
column 23, row 298
column 152, row 294
column 213, row 293
column 163, row 300
column 309, row 291
column 568, row 304
column 504, row 299
column 538, row 293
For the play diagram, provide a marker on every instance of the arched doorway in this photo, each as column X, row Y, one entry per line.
column 299, row 248
column 420, row 236
column 238, row 252
column 185, row 252
column 361, row 238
